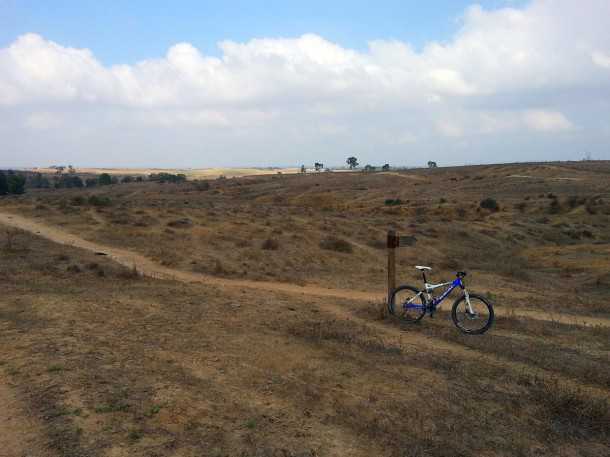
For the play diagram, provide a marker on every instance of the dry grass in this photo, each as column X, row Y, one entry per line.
column 108, row 362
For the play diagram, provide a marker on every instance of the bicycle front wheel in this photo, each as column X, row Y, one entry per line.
column 473, row 320
column 408, row 304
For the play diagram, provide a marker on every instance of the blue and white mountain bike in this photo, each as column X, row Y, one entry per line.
column 471, row 313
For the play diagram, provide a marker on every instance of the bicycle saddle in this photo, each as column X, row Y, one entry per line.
column 422, row 268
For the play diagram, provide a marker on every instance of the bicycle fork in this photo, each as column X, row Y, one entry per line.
column 469, row 306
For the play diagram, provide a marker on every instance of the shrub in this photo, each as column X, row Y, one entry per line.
column 73, row 268
column 104, row 179
column 180, row 223
column 78, row 200
column 68, row 182
column 270, row 245
column 490, row 204
column 167, row 177
column 332, row 243
column 555, row 206
column 521, row 206
column 11, row 183
column 393, row 202
column 201, row 185
column 97, row 200
column 129, row 273
column 575, row 200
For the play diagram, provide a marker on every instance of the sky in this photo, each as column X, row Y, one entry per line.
column 277, row 83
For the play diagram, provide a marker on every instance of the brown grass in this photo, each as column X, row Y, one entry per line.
column 107, row 362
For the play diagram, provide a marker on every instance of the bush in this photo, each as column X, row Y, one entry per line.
column 521, row 206
column 201, row 185
column 490, row 204
column 393, row 202
column 78, row 200
column 180, row 223
column 68, row 182
column 97, row 200
column 11, row 183
column 555, row 206
column 270, row 245
column 167, row 177
column 332, row 243
column 104, row 179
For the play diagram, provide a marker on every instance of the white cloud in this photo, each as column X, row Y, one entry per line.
column 601, row 59
column 546, row 121
column 505, row 72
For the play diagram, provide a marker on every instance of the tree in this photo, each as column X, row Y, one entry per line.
column 369, row 168
column 352, row 162
column 3, row 184
column 303, row 169
column 16, row 183
column 386, row 167
column 168, row 177
column 68, row 181
column 104, row 179
column 432, row 164
column 318, row 166
column 38, row 181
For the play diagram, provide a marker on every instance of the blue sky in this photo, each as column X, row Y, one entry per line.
column 129, row 31
column 202, row 84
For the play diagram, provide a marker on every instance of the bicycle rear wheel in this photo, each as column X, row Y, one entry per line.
column 408, row 304
column 477, row 322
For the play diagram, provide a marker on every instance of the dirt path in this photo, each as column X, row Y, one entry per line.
column 152, row 269
column 403, row 175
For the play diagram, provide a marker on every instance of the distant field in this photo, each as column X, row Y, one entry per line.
column 191, row 173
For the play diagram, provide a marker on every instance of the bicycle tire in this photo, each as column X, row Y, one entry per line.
column 458, row 323
column 408, row 314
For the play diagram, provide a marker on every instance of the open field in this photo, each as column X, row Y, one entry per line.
column 263, row 331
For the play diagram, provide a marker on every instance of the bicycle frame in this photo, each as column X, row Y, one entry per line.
column 432, row 302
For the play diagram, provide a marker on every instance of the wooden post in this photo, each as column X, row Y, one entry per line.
column 392, row 245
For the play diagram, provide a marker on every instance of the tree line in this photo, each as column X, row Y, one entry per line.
column 15, row 183
column 11, row 183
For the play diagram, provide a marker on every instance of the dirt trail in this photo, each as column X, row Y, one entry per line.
column 152, row 269
column 403, row 175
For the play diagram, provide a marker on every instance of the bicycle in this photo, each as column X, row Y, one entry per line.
column 471, row 314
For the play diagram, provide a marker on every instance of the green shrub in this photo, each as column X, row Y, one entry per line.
column 490, row 204
column 104, row 179
column 393, row 202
